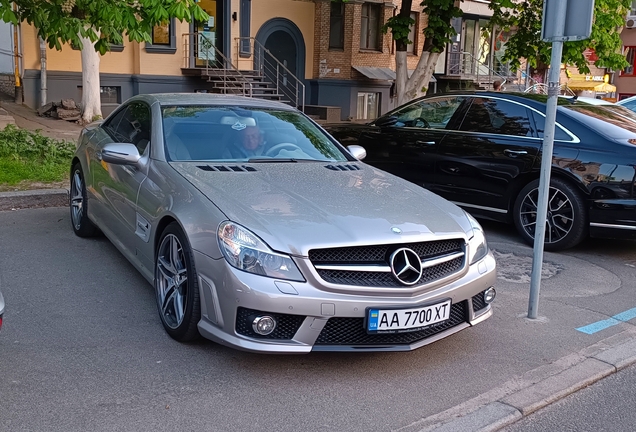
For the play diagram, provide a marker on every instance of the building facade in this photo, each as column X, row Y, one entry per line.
column 318, row 52
column 625, row 80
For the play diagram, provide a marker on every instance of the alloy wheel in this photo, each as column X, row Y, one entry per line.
column 77, row 199
column 560, row 215
column 171, row 281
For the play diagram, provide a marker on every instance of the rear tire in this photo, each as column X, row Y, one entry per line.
column 78, row 205
column 567, row 221
column 176, row 285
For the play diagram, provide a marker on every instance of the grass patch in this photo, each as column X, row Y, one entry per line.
column 30, row 156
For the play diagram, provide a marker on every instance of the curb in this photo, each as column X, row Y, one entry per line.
column 535, row 389
column 33, row 199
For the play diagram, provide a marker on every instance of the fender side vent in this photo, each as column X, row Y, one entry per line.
column 345, row 167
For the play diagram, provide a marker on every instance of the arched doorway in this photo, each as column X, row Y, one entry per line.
column 285, row 41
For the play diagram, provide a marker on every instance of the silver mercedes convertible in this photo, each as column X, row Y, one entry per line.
column 261, row 232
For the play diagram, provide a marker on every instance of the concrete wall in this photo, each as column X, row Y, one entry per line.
column 62, row 85
column 344, row 94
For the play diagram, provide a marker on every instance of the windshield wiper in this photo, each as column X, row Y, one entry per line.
column 268, row 160
column 272, row 160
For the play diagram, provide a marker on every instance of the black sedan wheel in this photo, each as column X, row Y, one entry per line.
column 78, row 204
column 176, row 285
column 566, row 222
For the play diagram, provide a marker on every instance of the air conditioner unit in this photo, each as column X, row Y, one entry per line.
column 630, row 22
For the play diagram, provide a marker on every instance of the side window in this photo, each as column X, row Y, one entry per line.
column 113, row 124
column 132, row 125
column 433, row 113
column 496, row 116
column 539, row 123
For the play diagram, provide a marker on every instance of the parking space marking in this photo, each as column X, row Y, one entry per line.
column 603, row 324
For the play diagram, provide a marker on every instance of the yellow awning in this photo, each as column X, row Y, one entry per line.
column 598, row 86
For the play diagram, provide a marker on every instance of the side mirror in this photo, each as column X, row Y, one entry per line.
column 357, row 151
column 120, row 154
column 386, row 121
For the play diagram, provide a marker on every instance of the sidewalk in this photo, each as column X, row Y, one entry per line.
column 26, row 118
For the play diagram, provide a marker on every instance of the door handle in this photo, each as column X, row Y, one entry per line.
column 515, row 153
column 425, row 142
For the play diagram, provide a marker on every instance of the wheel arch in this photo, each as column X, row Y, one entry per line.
column 160, row 228
column 557, row 172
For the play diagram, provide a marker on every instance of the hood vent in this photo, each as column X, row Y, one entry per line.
column 227, row 168
column 344, row 167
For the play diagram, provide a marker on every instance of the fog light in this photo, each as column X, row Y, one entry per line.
column 489, row 295
column 264, row 325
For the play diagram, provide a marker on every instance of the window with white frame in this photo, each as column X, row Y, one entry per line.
column 368, row 105
column 632, row 10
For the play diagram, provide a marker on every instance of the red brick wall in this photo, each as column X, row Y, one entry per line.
column 352, row 55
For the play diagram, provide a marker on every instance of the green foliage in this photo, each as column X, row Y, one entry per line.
column 400, row 27
column 102, row 21
column 26, row 155
column 524, row 19
column 439, row 30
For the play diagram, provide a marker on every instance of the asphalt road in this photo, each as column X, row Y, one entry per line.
column 82, row 347
column 607, row 405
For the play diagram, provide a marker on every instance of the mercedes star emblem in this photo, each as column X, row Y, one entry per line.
column 406, row 266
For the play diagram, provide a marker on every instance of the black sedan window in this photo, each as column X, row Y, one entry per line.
column 433, row 113
column 495, row 116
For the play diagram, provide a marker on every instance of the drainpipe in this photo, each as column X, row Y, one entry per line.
column 42, row 72
column 16, row 60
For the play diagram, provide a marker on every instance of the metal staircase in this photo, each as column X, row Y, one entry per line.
column 265, row 77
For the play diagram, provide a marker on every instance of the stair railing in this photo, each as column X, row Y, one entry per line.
column 198, row 43
column 268, row 66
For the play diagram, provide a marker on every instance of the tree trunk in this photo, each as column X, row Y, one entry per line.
column 401, row 76
column 91, row 99
column 417, row 84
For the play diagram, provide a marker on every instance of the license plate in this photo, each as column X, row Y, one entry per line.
column 406, row 320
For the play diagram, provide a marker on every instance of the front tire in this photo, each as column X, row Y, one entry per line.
column 176, row 286
column 567, row 219
column 78, row 204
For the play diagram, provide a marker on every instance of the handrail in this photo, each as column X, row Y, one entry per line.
column 297, row 94
column 247, row 86
column 479, row 65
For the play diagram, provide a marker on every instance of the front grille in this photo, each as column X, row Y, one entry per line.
column 286, row 325
column 351, row 331
column 479, row 302
column 380, row 255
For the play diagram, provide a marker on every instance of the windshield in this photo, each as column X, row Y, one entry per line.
column 216, row 133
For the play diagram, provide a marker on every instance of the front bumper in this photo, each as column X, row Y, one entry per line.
column 1, row 309
column 320, row 317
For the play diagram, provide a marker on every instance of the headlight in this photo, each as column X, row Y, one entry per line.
column 477, row 245
column 245, row 251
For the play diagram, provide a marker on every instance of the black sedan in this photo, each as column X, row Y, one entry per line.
column 482, row 151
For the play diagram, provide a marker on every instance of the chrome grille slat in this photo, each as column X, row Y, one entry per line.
column 369, row 265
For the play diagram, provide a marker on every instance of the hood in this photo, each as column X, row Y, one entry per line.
column 295, row 207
